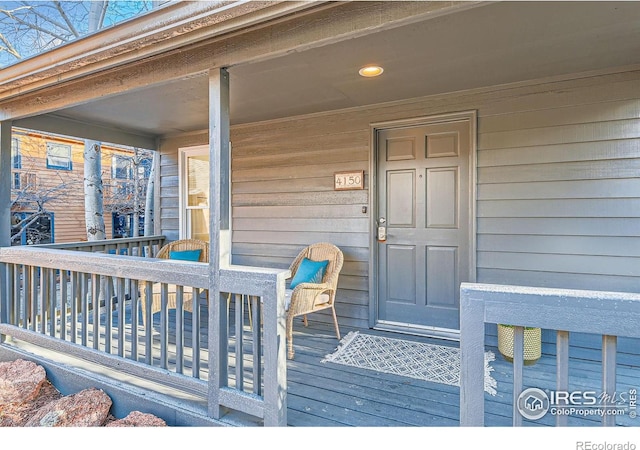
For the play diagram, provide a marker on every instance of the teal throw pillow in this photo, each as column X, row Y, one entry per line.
column 309, row 272
column 186, row 255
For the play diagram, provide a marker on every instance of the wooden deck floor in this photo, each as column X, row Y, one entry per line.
column 329, row 394
column 334, row 395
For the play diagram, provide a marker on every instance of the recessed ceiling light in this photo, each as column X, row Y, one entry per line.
column 371, row 71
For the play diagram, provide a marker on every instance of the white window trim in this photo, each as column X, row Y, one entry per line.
column 183, row 154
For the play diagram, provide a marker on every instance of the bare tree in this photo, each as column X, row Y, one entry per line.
column 93, row 192
column 149, row 210
column 31, row 27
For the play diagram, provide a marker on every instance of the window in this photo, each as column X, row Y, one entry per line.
column 16, row 157
column 194, row 193
column 144, row 169
column 22, row 180
column 121, row 167
column 39, row 228
column 122, row 225
column 59, row 156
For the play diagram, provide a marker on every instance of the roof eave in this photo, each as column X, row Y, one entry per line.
column 166, row 28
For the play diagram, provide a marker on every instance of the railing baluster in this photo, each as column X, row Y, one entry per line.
column 64, row 291
column 8, row 296
column 24, row 297
column 42, row 307
column 562, row 370
column 119, row 291
column 239, row 348
column 134, row 297
column 518, row 366
column 95, row 300
column 32, row 300
column 52, row 300
column 195, row 334
column 75, row 301
column 84, row 288
column 164, row 324
column 609, row 349
column 180, row 329
column 257, row 343
column 108, row 306
column 148, row 331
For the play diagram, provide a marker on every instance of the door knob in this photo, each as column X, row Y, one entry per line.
column 382, row 229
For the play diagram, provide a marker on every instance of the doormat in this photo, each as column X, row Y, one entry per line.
column 428, row 362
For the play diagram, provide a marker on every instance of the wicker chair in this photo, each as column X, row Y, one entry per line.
column 308, row 298
column 164, row 253
column 185, row 244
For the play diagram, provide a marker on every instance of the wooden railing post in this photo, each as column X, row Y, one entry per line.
column 275, row 357
column 471, row 359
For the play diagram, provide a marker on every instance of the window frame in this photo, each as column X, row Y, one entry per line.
column 56, row 145
column 119, row 164
column 183, row 214
column 16, row 156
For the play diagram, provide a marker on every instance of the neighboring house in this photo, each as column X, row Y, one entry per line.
column 501, row 143
column 47, row 172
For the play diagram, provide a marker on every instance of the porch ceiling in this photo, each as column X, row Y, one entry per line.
column 496, row 43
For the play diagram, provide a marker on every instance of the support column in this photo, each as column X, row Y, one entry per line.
column 5, row 213
column 219, row 232
column 5, row 184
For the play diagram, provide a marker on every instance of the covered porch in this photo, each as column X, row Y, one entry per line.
column 551, row 188
column 54, row 315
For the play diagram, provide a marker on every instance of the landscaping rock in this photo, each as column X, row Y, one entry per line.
column 28, row 399
column 87, row 408
column 20, row 382
column 23, row 390
column 138, row 419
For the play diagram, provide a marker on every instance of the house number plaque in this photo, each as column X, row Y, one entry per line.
column 344, row 181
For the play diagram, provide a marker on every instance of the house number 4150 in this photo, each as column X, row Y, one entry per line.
column 349, row 180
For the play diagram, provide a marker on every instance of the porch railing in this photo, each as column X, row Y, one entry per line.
column 609, row 314
column 147, row 246
column 90, row 306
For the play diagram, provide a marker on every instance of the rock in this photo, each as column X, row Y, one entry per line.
column 20, row 381
column 28, row 399
column 87, row 408
column 23, row 390
column 138, row 419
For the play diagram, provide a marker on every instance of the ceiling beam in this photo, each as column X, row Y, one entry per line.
column 61, row 125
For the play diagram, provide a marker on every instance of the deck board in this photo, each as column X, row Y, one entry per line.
column 421, row 403
column 327, row 394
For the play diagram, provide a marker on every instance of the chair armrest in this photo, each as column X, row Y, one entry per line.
column 303, row 297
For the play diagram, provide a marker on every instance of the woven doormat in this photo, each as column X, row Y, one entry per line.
column 436, row 363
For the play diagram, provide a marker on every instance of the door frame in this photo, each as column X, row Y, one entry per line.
column 472, row 117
